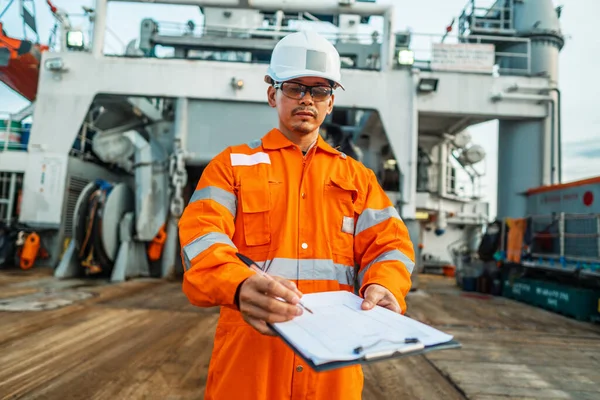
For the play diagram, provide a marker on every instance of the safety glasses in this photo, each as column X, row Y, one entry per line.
column 297, row 91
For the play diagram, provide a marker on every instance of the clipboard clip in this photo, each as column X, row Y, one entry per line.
column 417, row 345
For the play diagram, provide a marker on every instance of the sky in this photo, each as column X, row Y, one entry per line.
column 578, row 67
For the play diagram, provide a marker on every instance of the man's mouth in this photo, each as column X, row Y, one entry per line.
column 305, row 114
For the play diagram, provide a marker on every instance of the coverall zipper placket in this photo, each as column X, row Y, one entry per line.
column 299, row 385
column 305, row 164
column 306, row 159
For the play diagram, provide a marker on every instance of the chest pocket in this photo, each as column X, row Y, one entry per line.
column 257, row 205
column 339, row 198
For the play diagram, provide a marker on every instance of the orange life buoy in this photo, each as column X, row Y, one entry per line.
column 30, row 250
column 155, row 248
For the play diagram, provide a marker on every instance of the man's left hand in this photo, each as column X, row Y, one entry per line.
column 380, row 296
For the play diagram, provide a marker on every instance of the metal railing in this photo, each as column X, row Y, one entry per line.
column 455, row 186
column 266, row 32
column 491, row 16
column 251, row 45
column 512, row 54
column 562, row 242
column 11, row 137
column 14, row 138
column 566, row 237
column 83, row 142
column 10, row 184
column 269, row 35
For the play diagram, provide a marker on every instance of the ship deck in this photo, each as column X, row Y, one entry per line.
column 141, row 339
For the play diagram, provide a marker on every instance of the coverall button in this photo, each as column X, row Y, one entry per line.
column 303, row 195
column 304, row 246
column 299, row 368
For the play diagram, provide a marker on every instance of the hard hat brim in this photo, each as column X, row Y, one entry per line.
column 295, row 74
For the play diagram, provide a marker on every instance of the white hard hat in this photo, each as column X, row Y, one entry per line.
column 304, row 54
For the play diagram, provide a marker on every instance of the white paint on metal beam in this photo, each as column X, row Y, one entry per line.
column 471, row 95
column 310, row 6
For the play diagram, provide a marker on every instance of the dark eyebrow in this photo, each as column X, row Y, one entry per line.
column 322, row 84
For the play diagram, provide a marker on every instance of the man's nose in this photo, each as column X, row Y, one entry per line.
column 307, row 99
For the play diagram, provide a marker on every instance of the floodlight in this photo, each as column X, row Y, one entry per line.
column 427, row 85
column 75, row 40
column 406, row 57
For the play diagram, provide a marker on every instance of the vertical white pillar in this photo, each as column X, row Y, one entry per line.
column 99, row 27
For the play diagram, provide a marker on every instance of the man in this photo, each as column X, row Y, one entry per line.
column 307, row 214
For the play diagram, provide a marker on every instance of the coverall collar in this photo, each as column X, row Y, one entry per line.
column 275, row 140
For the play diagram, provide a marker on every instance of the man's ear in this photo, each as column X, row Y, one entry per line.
column 330, row 106
column 271, row 92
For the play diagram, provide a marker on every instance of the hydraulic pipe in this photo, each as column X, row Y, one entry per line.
column 559, row 135
column 529, row 97
column 442, row 168
column 552, row 136
column 517, row 86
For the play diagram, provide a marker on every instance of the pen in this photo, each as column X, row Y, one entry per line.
column 255, row 267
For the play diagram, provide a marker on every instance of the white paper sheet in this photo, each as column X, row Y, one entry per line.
column 338, row 326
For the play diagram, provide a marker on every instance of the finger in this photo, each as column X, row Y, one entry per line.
column 394, row 307
column 275, row 289
column 265, row 315
column 389, row 301
column 253, row 293
column 260, row 326
column 289, row 284
column 390, row 305
column 373, row 295
column 274, row 306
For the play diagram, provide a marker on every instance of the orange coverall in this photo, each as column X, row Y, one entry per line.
column 310, row 219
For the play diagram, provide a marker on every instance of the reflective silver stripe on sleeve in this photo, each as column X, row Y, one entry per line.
column 371, row 217
column 392, row 255
column 193, row 249
column 309, row 269
column 221, row 196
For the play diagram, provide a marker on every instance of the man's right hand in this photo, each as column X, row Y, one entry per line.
column 258, row 304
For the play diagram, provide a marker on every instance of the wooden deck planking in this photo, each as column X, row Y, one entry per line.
column 408, row 378
column 143, row 340
column 511, row 350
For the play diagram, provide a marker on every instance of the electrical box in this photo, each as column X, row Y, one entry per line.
column 349, row 26
column 229, row 18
